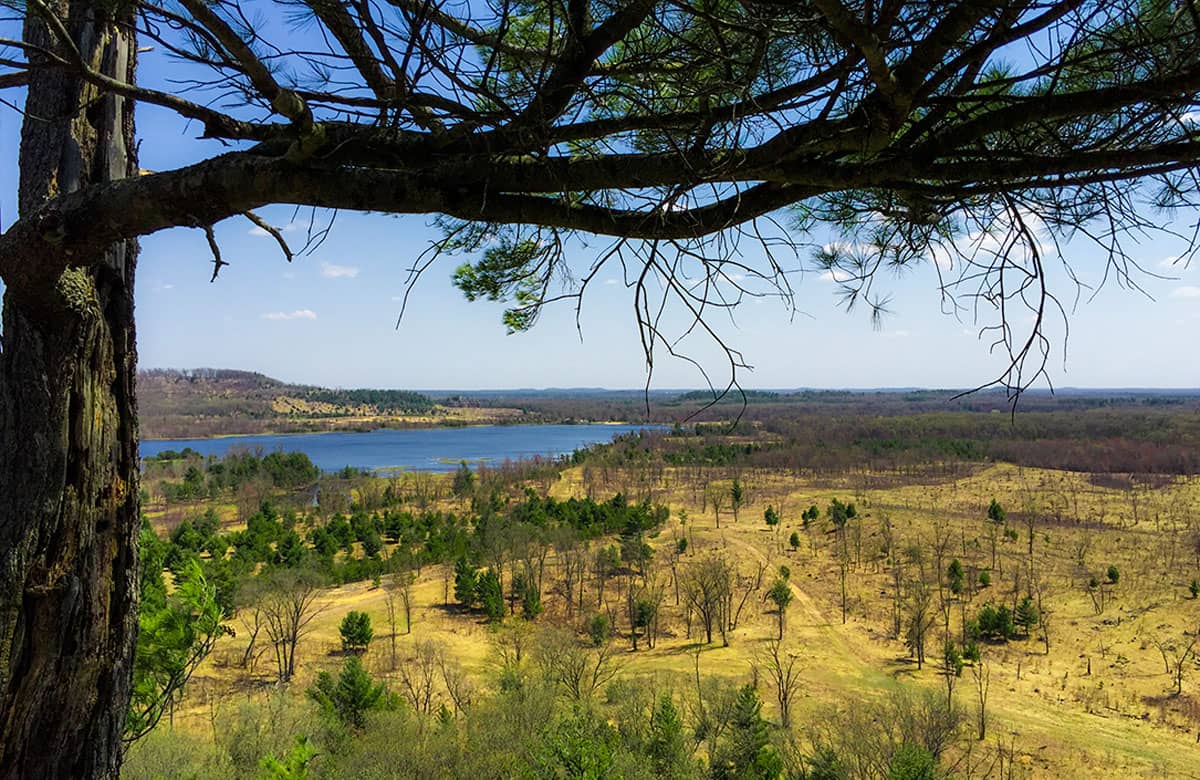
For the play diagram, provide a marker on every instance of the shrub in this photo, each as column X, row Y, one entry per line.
column 599, row 629
column 351, row 696
column 356, row 631
column 995, row 622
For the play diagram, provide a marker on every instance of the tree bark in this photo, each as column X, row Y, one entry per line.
column 68, row 436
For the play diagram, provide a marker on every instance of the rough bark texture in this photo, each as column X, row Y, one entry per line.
column 68, row 442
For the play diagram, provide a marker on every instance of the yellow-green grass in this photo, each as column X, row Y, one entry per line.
column 1117, row 721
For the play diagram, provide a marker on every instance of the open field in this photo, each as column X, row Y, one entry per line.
column 1093, row 699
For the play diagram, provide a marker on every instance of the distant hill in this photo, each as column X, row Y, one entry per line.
column 211, row 402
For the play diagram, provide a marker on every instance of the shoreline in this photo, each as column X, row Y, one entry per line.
column 219, row 436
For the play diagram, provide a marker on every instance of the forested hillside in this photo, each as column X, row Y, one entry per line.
column 209, row 402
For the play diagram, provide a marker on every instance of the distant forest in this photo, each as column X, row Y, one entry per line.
column 833, row 432
column 1131, row 432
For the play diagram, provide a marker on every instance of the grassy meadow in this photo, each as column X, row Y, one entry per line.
column 1089, row 691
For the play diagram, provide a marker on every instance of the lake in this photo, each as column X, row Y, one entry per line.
column 421, row 449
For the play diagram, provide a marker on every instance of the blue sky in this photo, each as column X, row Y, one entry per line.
column 329, row 318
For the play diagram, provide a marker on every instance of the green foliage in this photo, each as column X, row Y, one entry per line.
column 290, row 551
column 464, row 480
column 1114, row 575
column 580, row 746
column 824, row 764
column 293, row 766
column 356, row 631
column 510, row 270
column 912, row 762
column 1027, row 616
column 1194, row 588
column 955, row 577
column 350, row 697
column 985, row 579
column 996, row 513
column 466, row 583
column 771, row 517
column 491, row 595
column 175, row 634
column 667, row 745
column 737, row 495
column 531, row 599
column 372, row 544
column 641, row 616
column 952, row 659
column 634, row 549
column 841, row 513
column 995, row 622
column 794, row 540
column 780, row 594
column 745, row 752
column 599, row 629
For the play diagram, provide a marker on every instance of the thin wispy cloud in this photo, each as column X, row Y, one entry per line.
column 298, row 314
column 335, row 271
column 835, row 275
column 1186, row 292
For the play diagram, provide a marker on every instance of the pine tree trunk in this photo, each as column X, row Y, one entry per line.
column 68, row 439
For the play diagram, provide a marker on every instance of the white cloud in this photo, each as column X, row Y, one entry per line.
column 168, row 287
column 1175, row 264
column 611, row 281
column 942, row 257
column 334, row 271
column 896, row 334
column 1003, row 235
column 398, row 298
column 1186, row 292
column 835, row 275
column 1191, row 118
column 298, row 314
column 288, row 275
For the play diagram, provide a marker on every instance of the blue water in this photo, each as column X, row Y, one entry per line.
column 424, row 449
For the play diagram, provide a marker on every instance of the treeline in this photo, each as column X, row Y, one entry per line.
column 385, row 401
column 1122, row 440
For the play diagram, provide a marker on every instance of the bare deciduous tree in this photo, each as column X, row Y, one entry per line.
column 1177, row 655
column 579, row 670
column 288, row 601
column 783, row 673
column 707, row 585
